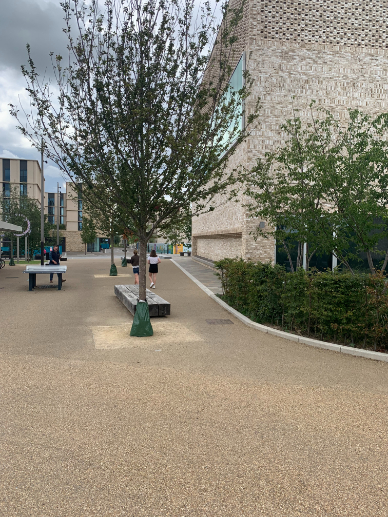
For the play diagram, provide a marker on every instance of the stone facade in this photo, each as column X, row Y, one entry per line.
column 73, row 240
column 335, row 53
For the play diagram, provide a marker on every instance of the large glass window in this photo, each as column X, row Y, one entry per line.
column 80, row 204
column 79, row 226
column 6, row 170
column 79, row 216
column 51, row 219
column 23, row 171
column 51, row 210
column 236, row 83
column 6, row 205
column 61, row 199
column 51, row 199
column 6, row 190
column 23, row 189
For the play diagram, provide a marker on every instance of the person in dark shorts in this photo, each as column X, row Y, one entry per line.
column 153, row 261
column 135, row 266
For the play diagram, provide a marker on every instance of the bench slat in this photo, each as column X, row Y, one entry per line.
column 128, row 295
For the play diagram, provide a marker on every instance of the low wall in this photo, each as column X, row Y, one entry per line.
column 217, row 249
column 73, row 241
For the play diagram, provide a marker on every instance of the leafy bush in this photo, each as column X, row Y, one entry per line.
column 333, row 305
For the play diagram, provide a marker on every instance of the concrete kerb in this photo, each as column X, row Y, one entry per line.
column 366, row 354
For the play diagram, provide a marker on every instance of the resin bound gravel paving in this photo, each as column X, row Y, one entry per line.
column 199, row 420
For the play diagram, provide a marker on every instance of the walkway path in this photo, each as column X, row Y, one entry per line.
column 208, row 418
column 202, row 273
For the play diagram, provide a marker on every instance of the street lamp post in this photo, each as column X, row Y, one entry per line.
column 42, row 210
column 59, row 210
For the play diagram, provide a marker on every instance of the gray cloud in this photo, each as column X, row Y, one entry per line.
column 39, row 24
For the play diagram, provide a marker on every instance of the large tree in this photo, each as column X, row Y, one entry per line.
column 88, row 233
column 143, row 108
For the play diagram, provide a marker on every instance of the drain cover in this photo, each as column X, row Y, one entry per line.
column 219, row 322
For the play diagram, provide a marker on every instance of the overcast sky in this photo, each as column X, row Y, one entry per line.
column 39, row 23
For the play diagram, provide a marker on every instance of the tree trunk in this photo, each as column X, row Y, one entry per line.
column 370, row 263
column 385, row 262
column 125, row 249
column 299, row 260
column 143, row 270
column 85, row 248
column 289, row 257
column 112, row 250
column 309, row 257
column 11, row 250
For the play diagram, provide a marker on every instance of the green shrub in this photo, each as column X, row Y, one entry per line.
column 333, row 305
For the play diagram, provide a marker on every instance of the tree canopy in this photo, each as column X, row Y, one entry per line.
column 142, row 108
column 327, row 187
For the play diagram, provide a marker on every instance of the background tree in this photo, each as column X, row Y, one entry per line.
column 88, row 233
column 107, row 217
column 143, row 109
column 327, row 187
column 17, row 209
column 180, row 230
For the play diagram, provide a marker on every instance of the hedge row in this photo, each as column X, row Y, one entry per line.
column 335, row 306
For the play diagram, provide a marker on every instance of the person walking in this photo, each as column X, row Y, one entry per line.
column 55, row 258
column 153, row 261
column 134, row 260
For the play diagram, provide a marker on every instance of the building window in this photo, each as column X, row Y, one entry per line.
column 79, row 216
column 51, row 200
column 61, row 211
column 6, row 190
column 6, row 206
column 23, row 171
column 61, row 199
column 80, row 204
column 61, row 220
column 236, row 83
column 6, row 170
column 51, row 210
column 79, row 226
column 51, row 219
column 23, row 189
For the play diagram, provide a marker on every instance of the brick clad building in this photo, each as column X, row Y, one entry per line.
column 333, row 52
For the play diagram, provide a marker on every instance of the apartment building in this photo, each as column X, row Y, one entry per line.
column 55, row 203
column 25, row 175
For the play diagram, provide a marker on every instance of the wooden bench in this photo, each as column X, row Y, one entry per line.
column 129, row 296
column 44, row 270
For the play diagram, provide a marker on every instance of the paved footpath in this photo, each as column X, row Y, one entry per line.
column 206, row 418
column 203, row 273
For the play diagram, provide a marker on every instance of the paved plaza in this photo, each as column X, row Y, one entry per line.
column 207, row 418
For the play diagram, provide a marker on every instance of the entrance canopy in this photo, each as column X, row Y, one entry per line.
column 8, row 226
